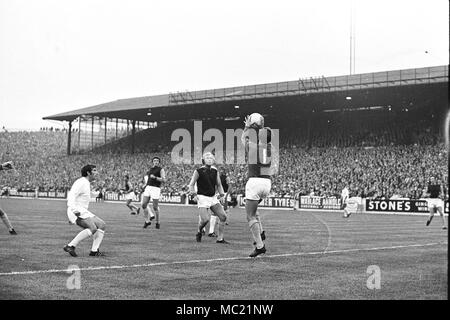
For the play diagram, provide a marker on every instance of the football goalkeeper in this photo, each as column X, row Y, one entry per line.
column 7, row 166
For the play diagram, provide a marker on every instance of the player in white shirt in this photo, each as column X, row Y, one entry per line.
column 345, row 195
column 7, row 166
column 77, row 211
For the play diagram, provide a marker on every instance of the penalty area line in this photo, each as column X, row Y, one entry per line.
column 299, row 254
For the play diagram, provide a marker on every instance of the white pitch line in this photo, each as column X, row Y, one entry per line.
column 328, row 230
column 220, row 259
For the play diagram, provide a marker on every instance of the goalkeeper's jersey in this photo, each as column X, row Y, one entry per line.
column 80, row 194
column 261, row 160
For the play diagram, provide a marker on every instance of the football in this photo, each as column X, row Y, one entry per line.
column 256, row 120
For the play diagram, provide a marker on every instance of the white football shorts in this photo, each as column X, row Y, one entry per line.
column 129, row 196
column 206, row 202
column 257, row 188
column 435, row 202
column 152, row 192
column 351, row 205
column 84, row 214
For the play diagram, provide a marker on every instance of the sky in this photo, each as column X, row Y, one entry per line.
column 61, row 55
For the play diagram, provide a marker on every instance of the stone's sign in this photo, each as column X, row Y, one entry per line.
column 391, row 205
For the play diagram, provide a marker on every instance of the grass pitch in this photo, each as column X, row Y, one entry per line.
column 310, row 255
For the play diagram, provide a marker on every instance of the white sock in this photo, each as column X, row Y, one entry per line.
column 221, row 230
column 86, row 233
column 98, row 237
column 259, row 221
column 212, row 223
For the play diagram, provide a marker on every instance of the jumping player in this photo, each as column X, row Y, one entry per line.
column 434, row 202
column 262, row 163
column 153, row 180
column 77, row 211
column 7, row 166
column 207, row 179
column 128, row 192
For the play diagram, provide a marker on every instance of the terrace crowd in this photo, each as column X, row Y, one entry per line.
column 388, row 160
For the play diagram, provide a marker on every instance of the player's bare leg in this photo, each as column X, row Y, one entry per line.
column 250, row 207
column 155, row 211
column 441, row 213
column 147, row 216
column 346, row 213
column 89, row 228
column 6, row 221
column 217, row 209
column 199, row 220
column 95, row 227
column 132, row 206
column 263, row 233
column 98, row 236
column 432, row 211
column 227, row 211
column 129, row 206
column 204, row 216
column 204, row 228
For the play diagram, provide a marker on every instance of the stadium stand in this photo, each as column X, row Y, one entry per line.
column 377, row 153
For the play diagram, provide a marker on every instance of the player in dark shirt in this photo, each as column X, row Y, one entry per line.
column 228, row 189
column 434, row 202
column 207, row 179
column 262, row 160
column 7, row 166
column 129, row 194
column 99, row 197
column 153, row 180
column 226, row 185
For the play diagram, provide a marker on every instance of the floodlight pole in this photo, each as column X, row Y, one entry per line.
column 69, row 138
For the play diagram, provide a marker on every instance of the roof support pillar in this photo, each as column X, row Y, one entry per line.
column 92, row 133
column 133, row 132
